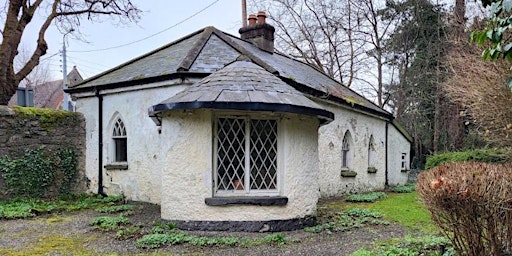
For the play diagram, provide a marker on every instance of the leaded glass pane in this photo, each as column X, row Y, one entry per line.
column 263, row 162
column 230, row 153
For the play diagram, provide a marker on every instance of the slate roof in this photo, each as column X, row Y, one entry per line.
column 243, row 85
column 209, row 49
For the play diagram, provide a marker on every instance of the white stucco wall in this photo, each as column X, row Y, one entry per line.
column 397, row 145
column 187, row 178
column 142, row 180
column 361, row 127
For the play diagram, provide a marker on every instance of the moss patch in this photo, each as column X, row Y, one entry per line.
column 53, row 245
column 49, row 118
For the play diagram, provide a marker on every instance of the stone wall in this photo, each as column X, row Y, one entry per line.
column 30, row 128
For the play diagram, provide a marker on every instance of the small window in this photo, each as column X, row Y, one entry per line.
column 404, row 161
column 371, row 152
column 345, row 149
column 246, row 156
column 119, row 141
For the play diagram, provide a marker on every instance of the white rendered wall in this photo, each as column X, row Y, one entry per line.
column 398, row 144
column 142, row 180
column 361, row 127
column 187, row 177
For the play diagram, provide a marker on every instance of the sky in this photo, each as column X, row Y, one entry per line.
column 177, row 18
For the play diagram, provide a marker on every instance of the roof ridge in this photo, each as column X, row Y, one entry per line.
column 225, row 37
column 196, row 49
column 143, row 56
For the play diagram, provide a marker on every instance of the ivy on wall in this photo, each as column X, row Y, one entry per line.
column 39, row 172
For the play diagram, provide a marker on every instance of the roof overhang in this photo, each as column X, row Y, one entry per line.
column 324, row 116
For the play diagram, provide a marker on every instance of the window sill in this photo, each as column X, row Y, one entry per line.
column 405, row 170
column 116, row 166
column 254, row 200
column 345, row 172
column 372, row 170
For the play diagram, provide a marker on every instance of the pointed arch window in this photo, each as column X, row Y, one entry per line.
column 371, row 152
column 345, row 148
column 119, row 141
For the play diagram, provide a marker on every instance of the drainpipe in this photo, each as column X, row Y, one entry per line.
column 386, row 184
column 100, row 143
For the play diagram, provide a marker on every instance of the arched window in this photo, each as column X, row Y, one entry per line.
column 119, row 141
column 371, row 152
column 345, row 149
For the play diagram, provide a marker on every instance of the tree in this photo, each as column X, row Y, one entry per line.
column 342, row 38
column 417, row 50
column 65, row 14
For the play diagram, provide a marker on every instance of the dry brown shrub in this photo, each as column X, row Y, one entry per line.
column 481, row 88
column 472, row 204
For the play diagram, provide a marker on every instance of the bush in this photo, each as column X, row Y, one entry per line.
column 471, row 204
column 477, row 155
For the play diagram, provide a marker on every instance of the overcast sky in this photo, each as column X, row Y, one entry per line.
column 158, row 15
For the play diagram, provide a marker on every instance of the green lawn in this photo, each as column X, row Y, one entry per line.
column 402, row 208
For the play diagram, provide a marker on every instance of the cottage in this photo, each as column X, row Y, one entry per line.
column 226, row 134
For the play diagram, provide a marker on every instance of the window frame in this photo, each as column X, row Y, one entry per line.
column 345, row 150
column 404, row 162
column 247, row 191
column 115, row 138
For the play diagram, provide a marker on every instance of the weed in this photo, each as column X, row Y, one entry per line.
column 426, row 245
column 109, row 223
column 115, row 208
column 407, row 188
column 128, row 232
column 349, row 219
column 179, row 237
column 367, row 198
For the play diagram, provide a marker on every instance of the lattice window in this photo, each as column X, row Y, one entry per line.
column 120, row 141
column 246, row 155
column 345, row 148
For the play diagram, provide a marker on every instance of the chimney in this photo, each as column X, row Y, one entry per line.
column 259, row 32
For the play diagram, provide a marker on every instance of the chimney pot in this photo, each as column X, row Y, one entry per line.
column 252, row 19
column 261, row 17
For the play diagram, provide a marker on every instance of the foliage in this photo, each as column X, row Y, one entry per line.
column 477, row 155
column 368, row 197
column 497, row 32
column 471, row 204
column 115, row 208
column 407, row 188
column 36, row 172
column 128, row 232
column 25, row 208
column 349, row 219
column 411, row 246
column 109, row 223
column 180, row 237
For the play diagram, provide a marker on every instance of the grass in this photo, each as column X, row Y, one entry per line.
column 26, row 208
column 402, row 208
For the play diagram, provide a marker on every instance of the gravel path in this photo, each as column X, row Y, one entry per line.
column 71, row 234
